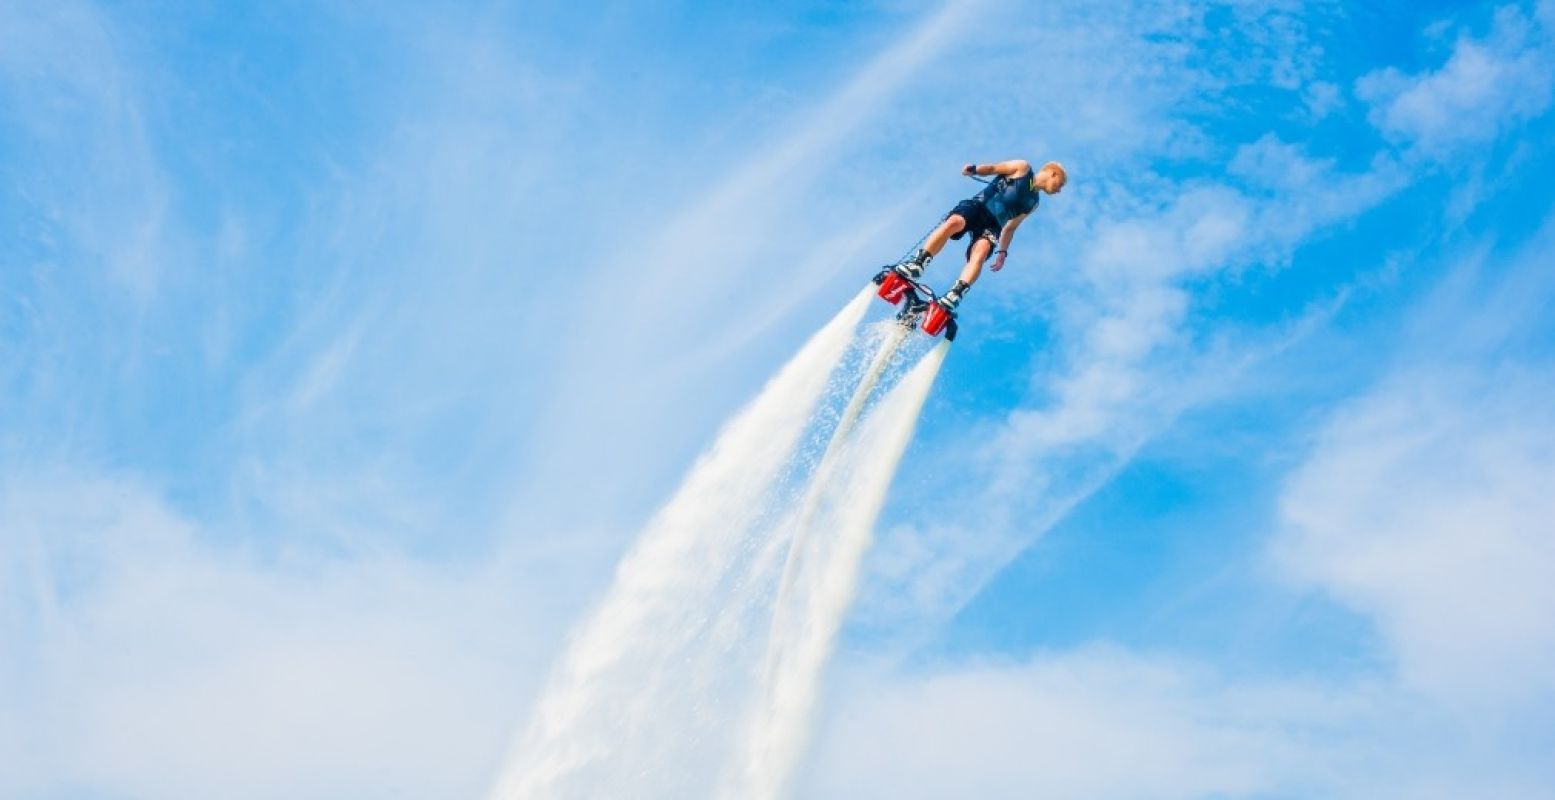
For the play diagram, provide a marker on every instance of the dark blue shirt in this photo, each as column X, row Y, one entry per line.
column 1008, row 198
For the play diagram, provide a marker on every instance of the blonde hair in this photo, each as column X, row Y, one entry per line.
column 1063, row 174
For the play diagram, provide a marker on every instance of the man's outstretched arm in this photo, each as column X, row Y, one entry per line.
column 1007, row 169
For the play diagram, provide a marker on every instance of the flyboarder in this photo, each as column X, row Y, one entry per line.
column 990, row 217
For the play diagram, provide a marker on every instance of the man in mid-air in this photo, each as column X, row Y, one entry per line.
column 990, row 217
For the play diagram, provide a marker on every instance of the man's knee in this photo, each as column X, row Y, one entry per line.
column 978, row 251
column 955, row 223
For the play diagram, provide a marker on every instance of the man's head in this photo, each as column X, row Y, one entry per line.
column 1051, row 178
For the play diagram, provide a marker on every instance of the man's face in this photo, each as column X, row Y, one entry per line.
column 1048, row 180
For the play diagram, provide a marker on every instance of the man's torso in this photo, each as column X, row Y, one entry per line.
column 1008, row 198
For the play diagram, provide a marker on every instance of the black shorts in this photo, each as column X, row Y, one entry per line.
column 980, row 223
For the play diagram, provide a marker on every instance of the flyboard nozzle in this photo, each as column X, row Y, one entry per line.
column 893, row 287
column 936, row 319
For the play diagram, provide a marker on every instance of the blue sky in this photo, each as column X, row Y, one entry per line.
column 345, row 348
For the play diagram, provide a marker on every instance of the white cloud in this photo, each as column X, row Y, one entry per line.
column 1093, row 723
column 1486, row 86
column 1321, row 99
column 1105, row 722
column 143, row 659
column 1430, row 506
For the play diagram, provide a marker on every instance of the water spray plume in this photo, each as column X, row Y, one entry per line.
column 847, row 495
column 664, row 583
column 701, row 663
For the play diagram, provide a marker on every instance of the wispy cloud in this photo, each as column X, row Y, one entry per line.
column 1486, row 85
column 1426, row 502
column 72, row 93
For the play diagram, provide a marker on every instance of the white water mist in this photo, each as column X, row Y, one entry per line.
column 611, row 721
column 847, row 494
column 697, row 673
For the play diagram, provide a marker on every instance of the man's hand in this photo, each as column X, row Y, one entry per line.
column 969, row 170
column 998, row 260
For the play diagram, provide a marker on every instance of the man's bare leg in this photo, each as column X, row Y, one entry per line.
column 952, row 225
column 981, row 249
